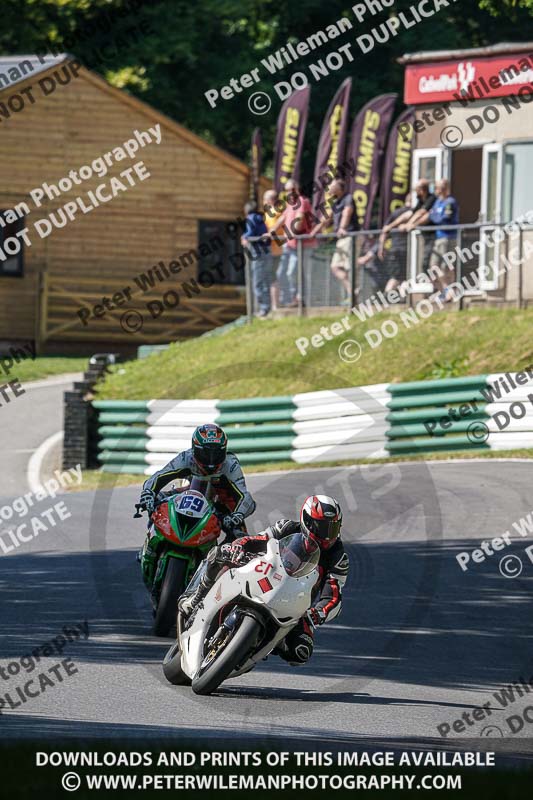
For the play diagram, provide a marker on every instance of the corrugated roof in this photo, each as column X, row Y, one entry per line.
column 449, row 55
column 14, row 69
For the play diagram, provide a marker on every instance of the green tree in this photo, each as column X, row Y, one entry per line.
column 188, row 48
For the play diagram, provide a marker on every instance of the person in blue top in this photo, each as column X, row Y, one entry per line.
column 260, row 255
column 444, row 211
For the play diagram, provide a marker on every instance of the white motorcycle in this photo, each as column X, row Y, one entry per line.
column 245, row 614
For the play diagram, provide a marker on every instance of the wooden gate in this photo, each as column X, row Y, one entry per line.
column 84, row 309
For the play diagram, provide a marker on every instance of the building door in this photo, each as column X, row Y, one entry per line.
column 466, row 169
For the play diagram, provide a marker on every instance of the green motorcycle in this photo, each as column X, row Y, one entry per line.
column 183, row 528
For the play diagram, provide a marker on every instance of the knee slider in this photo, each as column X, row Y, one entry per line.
column 303, row 649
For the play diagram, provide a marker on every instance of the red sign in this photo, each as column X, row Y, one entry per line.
column 469, row 79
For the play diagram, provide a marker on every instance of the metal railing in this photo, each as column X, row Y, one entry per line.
column 490, row 260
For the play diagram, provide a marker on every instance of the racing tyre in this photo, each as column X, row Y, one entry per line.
column 174, row 584
column 172, row 667
column 243, row 640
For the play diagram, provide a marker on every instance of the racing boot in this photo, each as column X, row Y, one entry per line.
column 188, row 604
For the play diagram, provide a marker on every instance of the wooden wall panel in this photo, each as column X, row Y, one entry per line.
column 156, row 220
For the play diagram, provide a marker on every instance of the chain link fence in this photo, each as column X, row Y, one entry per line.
column 492, row 262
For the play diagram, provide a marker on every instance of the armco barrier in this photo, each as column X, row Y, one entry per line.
column 485, row 412
column 142, row 436
column 473, row 413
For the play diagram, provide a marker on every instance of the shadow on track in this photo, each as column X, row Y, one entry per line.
column 465, row 630
column 311, row 696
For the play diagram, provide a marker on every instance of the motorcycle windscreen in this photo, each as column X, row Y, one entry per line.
column 299, row 554
column 191, row 510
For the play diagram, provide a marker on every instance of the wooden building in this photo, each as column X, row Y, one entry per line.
column 174, row 223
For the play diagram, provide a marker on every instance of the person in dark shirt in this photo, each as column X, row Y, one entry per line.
column 398, row 225
column 445, row 211
column 392, row 247
column 260, row 255
column 344, row 222
column 374, row 267
column 413, row 217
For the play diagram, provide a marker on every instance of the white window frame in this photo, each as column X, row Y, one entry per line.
column 486, row 232
column 441, row 171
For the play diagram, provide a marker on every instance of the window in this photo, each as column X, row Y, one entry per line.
column 13, row 265
column 220, row 251
column 517, row 185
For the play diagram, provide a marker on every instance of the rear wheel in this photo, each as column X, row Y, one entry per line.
column 218, row 665
column 174, row 584
column 172, row 667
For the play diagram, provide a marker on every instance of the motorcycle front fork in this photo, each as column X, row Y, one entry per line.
column 196, row 578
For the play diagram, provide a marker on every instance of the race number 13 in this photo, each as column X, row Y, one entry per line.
column 263, row 567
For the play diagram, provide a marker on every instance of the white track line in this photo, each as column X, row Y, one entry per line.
column 33, row 473
column 58, row 380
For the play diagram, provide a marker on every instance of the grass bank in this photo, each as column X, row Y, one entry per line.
column 262, row 359
column 46, row 367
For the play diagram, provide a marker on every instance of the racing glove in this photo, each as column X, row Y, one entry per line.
column 232, row 521
column 316, row 617
column 234, row 553
column 147, row 499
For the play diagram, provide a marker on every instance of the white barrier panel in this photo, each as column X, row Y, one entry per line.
column 503, row 391
column 183, row 405
column 521, row 396
column 161, row 459
column 494, row 408
column 343, row 452
column 319, row 425
column 170, row 431
column 509, row 426
column 510, row 441
column 378, row 392
column 164, row 445
column 372, row 434
column 331, row 410
column 189, row 419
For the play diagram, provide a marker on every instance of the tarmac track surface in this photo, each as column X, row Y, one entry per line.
column 419, row 641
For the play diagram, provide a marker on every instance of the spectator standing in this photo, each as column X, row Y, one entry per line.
column 272, row 217
column 260, row 256
column 411, row 218
column 392, row 248
column 445, row 211
column 373, row 265
column 344, row 222
column 416, row 216
column 295, row 221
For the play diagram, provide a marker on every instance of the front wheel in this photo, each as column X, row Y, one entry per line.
column 174, row 584
column 172, row 667
column 216, row 669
